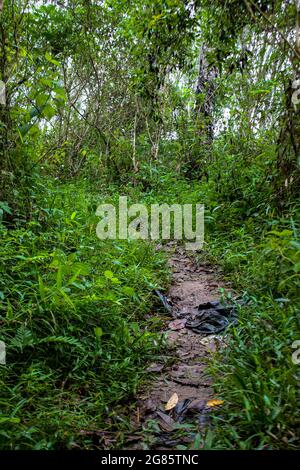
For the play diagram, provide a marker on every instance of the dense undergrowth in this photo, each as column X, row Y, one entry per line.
column 74, row 317
column 255, row 374
column 258, row 248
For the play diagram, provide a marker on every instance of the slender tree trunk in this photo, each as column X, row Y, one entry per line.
column 135, row 163
column 4, row 114
column 205, row 96
column 155, row 145
column 204, row 107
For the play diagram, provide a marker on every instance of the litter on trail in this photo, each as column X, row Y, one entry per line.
column 164, row 300
column 212, row 318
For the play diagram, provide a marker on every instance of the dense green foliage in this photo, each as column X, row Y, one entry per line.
column 164, row 101
column 73, row 319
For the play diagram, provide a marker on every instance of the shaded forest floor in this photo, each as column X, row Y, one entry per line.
column 182, row 372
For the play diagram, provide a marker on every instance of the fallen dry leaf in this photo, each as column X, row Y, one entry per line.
column 166, row 422
column 177, row 324
column 212, row 403
column 196, row 405
column 148, row 406
column 172, row 402
column 155, row 368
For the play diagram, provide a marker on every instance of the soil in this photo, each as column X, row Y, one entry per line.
column 192, row 284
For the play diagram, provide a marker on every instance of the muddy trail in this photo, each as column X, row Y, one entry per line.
column 180, row 378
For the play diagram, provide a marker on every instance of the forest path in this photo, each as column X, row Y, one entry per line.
column 183, row 369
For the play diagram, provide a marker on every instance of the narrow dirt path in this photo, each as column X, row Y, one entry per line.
column 183, row 370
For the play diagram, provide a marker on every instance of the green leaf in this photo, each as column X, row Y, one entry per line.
column 128, row 291
column 41, row 99
column 98, row 332
column 109, row 274
column 49, row 111
column 4, row 419
column 49, row 58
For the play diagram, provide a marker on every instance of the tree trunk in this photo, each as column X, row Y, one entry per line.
column 5, row 168
column 288, row 147
column 287, row 183
column 204, row 107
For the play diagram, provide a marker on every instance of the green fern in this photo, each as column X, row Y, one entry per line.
column 62, row 339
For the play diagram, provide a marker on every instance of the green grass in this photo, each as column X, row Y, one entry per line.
column 255, row 374
column 73, row 319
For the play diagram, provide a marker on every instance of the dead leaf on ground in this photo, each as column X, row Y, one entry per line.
column 148, row 406
column 155, row 367
column 214, row 342
column 212, row 403
column 177, row 324
column 172, row 402
column 165, row 421
column 196, row 405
